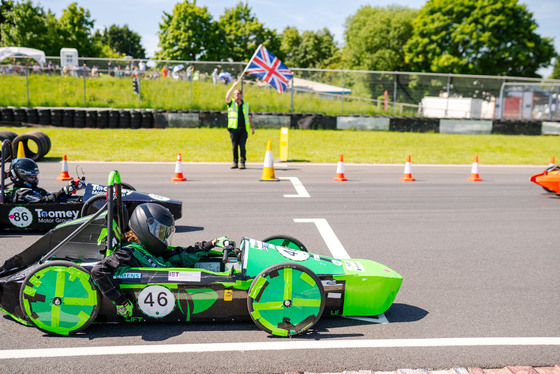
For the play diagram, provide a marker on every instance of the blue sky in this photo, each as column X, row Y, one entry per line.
column 144, row 16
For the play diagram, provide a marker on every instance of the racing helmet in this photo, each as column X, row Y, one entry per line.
column 24, row 172
column 153, row 225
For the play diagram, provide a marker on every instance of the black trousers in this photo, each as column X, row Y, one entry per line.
column 238, row 140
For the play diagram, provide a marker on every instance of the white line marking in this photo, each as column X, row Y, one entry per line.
column 276, row 346
column 335, row 246
column 380, row 319
column 300, row 189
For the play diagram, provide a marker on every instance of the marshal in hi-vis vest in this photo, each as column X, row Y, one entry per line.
column 233, row 110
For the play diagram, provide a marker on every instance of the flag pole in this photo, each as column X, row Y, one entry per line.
column 249, row 63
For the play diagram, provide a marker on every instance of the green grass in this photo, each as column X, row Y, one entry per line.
column 318, row 146
column 111, row 92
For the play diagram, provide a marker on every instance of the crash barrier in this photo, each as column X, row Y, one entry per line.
column 41, row 140
column 151, row 118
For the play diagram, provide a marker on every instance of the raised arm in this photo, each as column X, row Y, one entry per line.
column 230, row 91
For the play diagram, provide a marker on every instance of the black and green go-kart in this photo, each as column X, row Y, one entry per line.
column 41, row 217
column 275, row 282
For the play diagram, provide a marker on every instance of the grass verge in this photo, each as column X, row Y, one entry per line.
column 318, row 146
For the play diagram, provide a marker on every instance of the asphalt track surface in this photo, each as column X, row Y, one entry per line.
column 479, row 260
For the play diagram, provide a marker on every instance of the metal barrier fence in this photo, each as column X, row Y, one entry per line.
column 178, row 85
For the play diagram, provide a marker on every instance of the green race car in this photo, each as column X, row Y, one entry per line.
column 275, row 282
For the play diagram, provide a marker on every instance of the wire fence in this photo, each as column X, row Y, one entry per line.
column 180, row 85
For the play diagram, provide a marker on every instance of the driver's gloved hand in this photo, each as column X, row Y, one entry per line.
column 125, row 310
column 222, row 242
column 77, row 184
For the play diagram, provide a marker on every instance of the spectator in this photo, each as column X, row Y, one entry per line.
column 215, row 76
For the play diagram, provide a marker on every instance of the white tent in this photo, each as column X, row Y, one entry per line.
column 35, row 54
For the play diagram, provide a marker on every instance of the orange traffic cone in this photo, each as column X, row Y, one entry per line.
column 552, row 162
column 64, row 176
column 178, row 171
column 407, row 177
column 268, row 168
column 474, row 171
column 340, row 171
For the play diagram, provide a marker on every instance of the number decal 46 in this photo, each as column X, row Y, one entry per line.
column 156, row 301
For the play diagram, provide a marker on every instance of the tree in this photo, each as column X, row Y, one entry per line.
column 556, row 70
column 244, row 33
column 375, row 37
column 491, row 37
column 25, row 25
column 308, row 50
column 189, row 33
column 122, row 40
column 74, row 30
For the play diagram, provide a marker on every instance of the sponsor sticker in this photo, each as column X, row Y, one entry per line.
column 159, row 198
column 184, row 276
column 293, row 254
column 128, row 276
column 20, row 216
column 354, row 265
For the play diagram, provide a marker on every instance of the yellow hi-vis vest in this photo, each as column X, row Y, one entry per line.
column 233, row 110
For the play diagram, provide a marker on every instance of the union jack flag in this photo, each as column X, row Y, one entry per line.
column 266, row 66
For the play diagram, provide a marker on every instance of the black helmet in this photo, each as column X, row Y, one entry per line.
column 24, row 172
column 153, row 225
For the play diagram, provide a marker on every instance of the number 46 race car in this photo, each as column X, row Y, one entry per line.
column 275, row 282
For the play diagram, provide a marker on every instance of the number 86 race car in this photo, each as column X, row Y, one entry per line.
column 276, row 283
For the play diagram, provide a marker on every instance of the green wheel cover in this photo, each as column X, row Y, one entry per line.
column 286, row 299
column 59, row 297
column 286, row 241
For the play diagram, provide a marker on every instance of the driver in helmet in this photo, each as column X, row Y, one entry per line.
column 151, row 228
column 24, row 174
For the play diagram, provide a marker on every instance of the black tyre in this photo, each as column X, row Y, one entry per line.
column 79, row 118
column 94, row 203
column 7, row 134
column 30, row 153
column 44, row 116
column 286, row 241
column 56, row 117
column 128, row 186
column 91, row 119
column 147, row 120
column 135, row 119
column 59, row 297
column 124, row 119
column 32, row 116
column 20, row 115
column 286, row 299
column 45, row 139
column 68, row 118
column 102, row 119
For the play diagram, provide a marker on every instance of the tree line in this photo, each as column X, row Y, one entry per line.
column 486, row 37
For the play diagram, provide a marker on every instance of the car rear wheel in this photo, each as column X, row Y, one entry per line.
column 94, row 203
column 286, row 241
column 286, row 299
column 59, row 297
